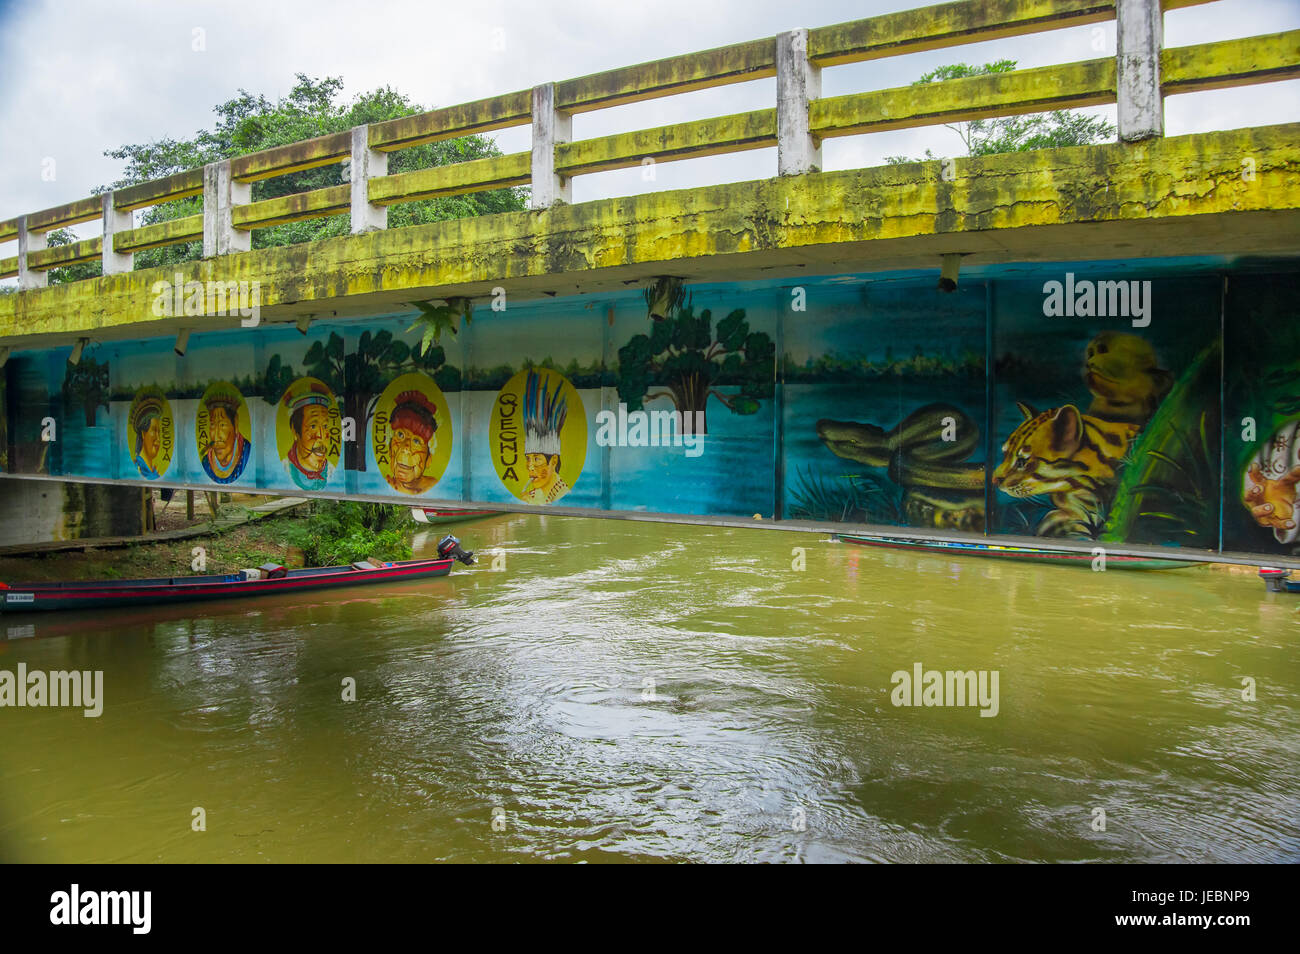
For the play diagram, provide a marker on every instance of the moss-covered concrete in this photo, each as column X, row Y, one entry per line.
column 1223, row 191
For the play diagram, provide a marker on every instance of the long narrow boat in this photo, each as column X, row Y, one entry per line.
column 438, row 516
column 1018, row 553
column 267, row 580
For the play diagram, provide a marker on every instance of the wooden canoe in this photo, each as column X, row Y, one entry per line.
column 106, row 594
column 997, row 551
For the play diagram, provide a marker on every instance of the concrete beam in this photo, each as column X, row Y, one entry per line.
column 221, row 193
column 797, row 83
column 1139, row 35
column 1119, row 200
column 550, row 126
column 29, row 241
column 366, row 164
column 115, row 221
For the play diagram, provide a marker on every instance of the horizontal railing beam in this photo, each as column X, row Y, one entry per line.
column 1089, row 83
column 453, row 122
column 294, row 157
column 74, row 253
column 317, row 204
column 9, row 267
column 178, row 185
column 71, row 213
column 1226, row 63
column 948, row 24
column 461, row 178
column 738, row 63
column 699, row 137
column 188, row 228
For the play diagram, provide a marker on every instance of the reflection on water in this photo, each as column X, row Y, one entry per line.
column 631, row 691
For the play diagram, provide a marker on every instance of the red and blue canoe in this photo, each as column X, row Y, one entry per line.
column 268, row 580
column 1020, row 554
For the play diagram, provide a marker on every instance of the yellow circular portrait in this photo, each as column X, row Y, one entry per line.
column 308, row 433
column 151, row 433
column 222, row 432
column 539, row 436
column 410, row 434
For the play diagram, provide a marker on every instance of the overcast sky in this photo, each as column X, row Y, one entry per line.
column 80, row 77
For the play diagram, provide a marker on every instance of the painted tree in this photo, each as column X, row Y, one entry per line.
column 686, row 359
column 86, row 383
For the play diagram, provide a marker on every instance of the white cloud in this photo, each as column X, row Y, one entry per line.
column 80, row 78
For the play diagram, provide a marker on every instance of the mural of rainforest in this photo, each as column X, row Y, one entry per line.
column 1153, row 403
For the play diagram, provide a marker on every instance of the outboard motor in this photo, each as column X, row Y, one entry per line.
column 449, row 546
column 1273, row 578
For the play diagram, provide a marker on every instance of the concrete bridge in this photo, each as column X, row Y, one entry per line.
column 806, row 278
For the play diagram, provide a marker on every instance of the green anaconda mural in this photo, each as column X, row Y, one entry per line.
column 1112, row 402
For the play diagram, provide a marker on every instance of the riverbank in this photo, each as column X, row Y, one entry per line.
column 251, row 544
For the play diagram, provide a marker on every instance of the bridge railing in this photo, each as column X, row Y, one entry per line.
column 1137, row 78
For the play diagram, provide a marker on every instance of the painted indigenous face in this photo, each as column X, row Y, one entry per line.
column 221, row 429
column 409, row 453
column 151, row 440
column 313, row 442
column 541, row 469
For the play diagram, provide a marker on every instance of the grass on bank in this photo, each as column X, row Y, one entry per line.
column 330, row 533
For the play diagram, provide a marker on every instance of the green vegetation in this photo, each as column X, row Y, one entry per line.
column 986, row 137
column 249, row 123
column 847, row 498
column 836, row 367
column 1170, row 480
column 341, row 532
column 688, row 359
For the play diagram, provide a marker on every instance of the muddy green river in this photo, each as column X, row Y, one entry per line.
column 622, row 691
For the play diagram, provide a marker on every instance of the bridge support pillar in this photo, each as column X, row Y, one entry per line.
column 30, row 242
column 1139, row 35
column 797, row 82
column 40, row 511
column 115, row 221
column 366, row 164
column 221, row 193
column 550, row 126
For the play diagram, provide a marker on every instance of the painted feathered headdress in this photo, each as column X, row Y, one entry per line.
column 544, row 415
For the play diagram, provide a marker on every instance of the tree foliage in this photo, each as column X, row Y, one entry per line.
column 251, row 123
column 686, row 356
column 986, row 137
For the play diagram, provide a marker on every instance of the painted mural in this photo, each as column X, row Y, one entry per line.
column 410, row 433
column 151, row 434
column 539, row 436
column 1107, row 410
column 1086, row 402
column 1261, row 435
column 885, row 406
column 223, row 432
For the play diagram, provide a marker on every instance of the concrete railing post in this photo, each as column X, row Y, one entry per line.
column 115, row 221
column 550, row 127
column 797, row 83
column 221, row 193
column 30, row 242
column 1139, row 34
column 366, row 164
